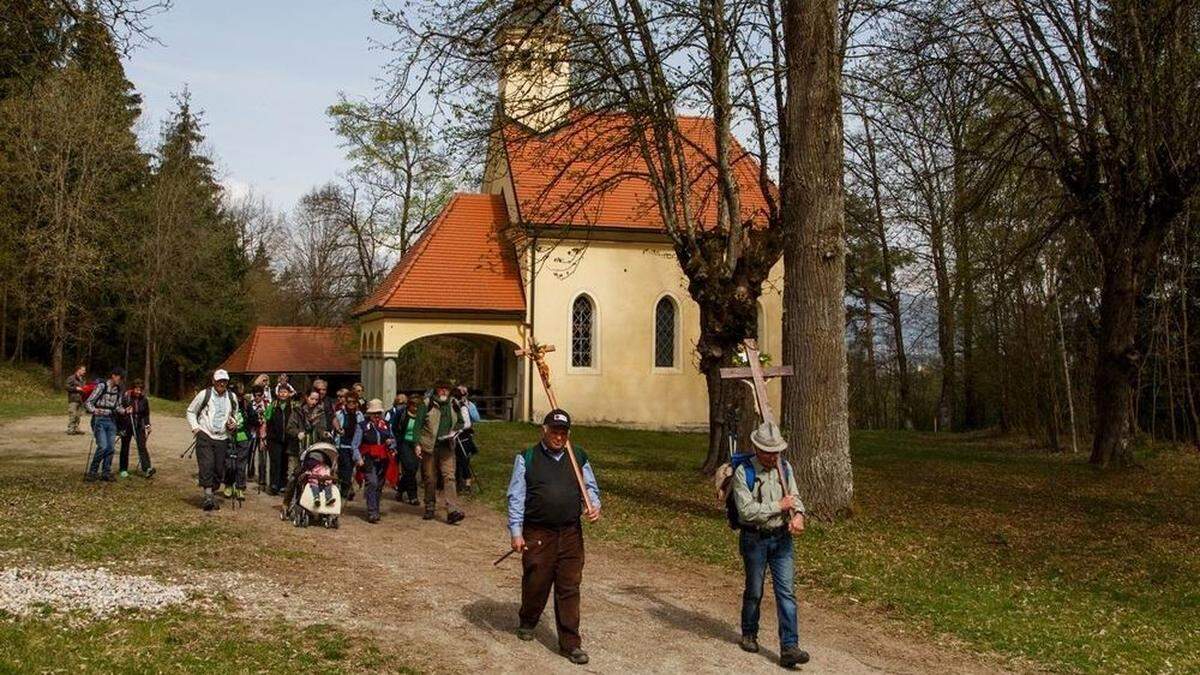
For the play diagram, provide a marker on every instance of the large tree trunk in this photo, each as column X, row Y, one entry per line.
column 814, row 258
column 945, row 327
column 1116, row 362
column 58, row 336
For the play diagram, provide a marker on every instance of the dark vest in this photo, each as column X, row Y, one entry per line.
column 551, row 493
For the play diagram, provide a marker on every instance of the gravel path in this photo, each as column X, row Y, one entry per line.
column 433, row 587
column 96, row 592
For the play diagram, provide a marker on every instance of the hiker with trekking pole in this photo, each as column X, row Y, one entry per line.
column 211, row 417
column 134, row 425
column 104, row 403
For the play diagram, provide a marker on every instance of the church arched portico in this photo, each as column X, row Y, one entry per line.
column 412, row 352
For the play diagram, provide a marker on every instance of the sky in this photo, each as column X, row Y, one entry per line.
column 262, row 72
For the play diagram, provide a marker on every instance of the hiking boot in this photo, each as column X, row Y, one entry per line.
column 576, row 656
column 429, row 514
column 150, row 472
column 373, row 518
column 413, row 501
column 124, row 475
column 525, row 634
column 90, row 478
column 790, row 657
column 400, row 497
column 749, row 643
column 455, row 517
column 108, row 478
column 210, row 504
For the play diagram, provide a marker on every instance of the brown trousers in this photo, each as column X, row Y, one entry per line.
column 554, row 557
column 441, row 460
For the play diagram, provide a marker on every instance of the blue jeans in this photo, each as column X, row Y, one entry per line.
column 105, row 429
column 760, row 551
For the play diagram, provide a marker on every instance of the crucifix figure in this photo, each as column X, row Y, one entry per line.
column 756, row 376
column 537, row 353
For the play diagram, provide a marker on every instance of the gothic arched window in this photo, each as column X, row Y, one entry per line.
column 664, row 333
column 583, row 332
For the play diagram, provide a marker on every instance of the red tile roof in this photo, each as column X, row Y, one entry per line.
column 589, row 173
column 459, row 264
column 295, row 349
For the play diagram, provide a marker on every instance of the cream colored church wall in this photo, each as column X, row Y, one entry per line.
column 624, row 388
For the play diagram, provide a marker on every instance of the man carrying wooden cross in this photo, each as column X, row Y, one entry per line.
column 544, row 512
column 769, row 512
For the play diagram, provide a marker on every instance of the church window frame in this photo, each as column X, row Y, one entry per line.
column 657, row 325
column 579, row 361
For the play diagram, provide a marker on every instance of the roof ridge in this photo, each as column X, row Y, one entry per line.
column 253, row 345
column 406, row 262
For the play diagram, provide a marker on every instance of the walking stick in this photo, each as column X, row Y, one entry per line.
column 190, row 449
column 87, row 467
column 538, row 354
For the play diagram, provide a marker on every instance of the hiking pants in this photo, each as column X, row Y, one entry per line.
column 774, row 550
column 553, row 557
column 105, row 429
column 237, row 454
column 375, row 469
column 137, row 434
column 210, row 460
column 345, row 471
column 440, row 461
column 280, row 456
column 74, row 412
column 409, row 465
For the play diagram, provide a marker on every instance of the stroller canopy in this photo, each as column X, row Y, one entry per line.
column 326, row 450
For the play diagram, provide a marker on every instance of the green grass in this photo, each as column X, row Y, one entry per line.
column 27, row 389
column 1026, row 554
column 184, row 640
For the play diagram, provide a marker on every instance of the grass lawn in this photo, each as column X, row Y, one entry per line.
column 27, row 390
column 1030, row 555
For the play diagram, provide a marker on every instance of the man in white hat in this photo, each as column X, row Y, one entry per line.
column 211, row 418
column 769, row 513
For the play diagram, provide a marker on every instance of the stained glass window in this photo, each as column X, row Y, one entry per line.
column 664, row 333
column 583, row 329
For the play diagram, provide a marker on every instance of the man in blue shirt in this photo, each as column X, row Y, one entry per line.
column 545, row 508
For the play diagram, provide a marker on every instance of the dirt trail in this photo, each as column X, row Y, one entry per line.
column 433, row 586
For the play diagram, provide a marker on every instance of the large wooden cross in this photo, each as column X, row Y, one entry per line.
column 537, row 353
column 757, row 377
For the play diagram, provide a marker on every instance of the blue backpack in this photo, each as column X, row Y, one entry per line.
column 725, row 492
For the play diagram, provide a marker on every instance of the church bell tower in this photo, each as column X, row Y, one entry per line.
column 534, row 64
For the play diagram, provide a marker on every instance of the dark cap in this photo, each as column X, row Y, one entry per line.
column 557, row 418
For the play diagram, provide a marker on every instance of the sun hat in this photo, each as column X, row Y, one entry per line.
column 375, row 406
column 768, row 438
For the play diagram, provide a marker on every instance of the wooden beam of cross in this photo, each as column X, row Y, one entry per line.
column 757, row 377
column 537, row 353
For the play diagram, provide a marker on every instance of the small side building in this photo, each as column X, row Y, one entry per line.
column 303, row 352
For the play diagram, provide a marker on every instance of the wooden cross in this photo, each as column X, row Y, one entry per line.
column 537, row 353
column 757, row 376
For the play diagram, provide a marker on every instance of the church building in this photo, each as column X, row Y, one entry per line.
column 564, row 243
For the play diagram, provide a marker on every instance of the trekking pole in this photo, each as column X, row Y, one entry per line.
column 87, row 467
column 190, row 449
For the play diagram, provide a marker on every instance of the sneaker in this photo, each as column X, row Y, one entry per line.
column 749, row 643
column 228, row 492
column 400, row 497
column 150, row 472
column 576, row 656
column 455, row 517
column 428, row 515
column 790, row 657
column 210, row 504
column 525, row 634
column 124, row 475
column 413, row 501
column 239, row 494
column 90, row 478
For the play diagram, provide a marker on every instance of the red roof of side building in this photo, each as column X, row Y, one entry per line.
column 459, row 264
column 590, row 173
column 295, row 349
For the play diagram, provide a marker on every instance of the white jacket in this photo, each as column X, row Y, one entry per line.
column 202, row 419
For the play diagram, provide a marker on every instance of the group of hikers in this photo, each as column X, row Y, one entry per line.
column 264, row 436
column 552, row 489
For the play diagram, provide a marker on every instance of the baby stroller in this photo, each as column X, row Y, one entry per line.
column 300, row 507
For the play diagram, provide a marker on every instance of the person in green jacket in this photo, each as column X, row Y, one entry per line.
column 436, row 452
column 247, row 421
